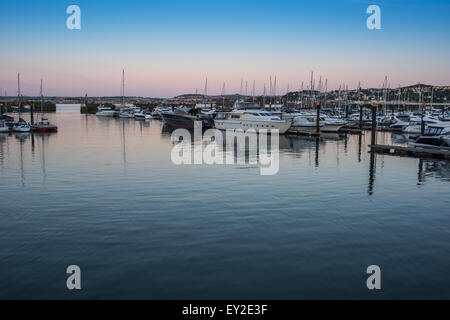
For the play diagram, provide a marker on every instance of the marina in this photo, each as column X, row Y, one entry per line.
column 224, row 160
column 110, row 181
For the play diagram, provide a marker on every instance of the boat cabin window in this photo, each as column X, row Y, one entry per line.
column 433, row 131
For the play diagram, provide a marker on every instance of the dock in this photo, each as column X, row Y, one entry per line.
column 411, row 151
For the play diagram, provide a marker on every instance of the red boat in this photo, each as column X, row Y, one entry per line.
column 44, row 126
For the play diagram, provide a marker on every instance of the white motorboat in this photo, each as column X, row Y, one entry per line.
column 436, row 136
column 415, row 125
column 157, row 112
column 105, row 111
column 126, row 113
column 331, row 124
column 251, row 119
column 143, row 115
column 244, row 105
column 305, row 124
column 3, row 127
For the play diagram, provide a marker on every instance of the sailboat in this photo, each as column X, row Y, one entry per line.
column 44, row 125
column 21, row 125
column 125, row 110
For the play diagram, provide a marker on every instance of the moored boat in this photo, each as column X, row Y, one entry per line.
column 305, row 124
column 179, row 118
column 251, row 119
column 21, row 126
column 436, row 136
column 156, row 113
column 3, row 127
column 103, row 111
column 143, row 115
column 44, row 126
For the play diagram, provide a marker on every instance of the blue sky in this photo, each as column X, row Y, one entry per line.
column 169, row 47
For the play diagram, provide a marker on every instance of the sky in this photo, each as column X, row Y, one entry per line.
column 169, row 47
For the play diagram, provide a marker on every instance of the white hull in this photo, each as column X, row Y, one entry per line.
column 21, row 129
column 4, row 129
column 413, row 129
column 140, row 116
column 281, row 126
column 105, row 113
column 126, row 115
column 331, row 127
column 428, row 146
column 303, row 129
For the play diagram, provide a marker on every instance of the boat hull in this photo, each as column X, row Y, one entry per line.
column 21, row 129
column 45, row 129
column 281, row 126
column 186, row 122
column 331, row 127
column 105, row 114
column 304, row 129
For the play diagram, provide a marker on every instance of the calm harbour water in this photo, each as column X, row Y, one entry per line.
column 103, row 194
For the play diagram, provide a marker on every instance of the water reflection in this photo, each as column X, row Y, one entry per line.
column 433, row 169
column 3, row 141
column 372, row 173
column 22, row 136
column 316, row 151
column 359, row 147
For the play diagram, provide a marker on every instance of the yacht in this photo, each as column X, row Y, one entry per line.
column 143, row 115
column 179, row 118
column 331, row 124
column 156, row 114
column 105, row 112
column 126, row 112
column 243, row 105
column 414, row 128
column 305, row 124
column 436, row 136
column 251, row 119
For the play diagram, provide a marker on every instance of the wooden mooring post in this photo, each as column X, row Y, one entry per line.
column 360, row 116
column 422, row 122
column 373, row 139
column 318, row 119
column 32, row 114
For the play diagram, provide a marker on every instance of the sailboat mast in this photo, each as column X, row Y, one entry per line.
column 42, row 103
column 18, row 92
column 264, row 97
column 206, row 91
column 123, row 87
column 223, row 96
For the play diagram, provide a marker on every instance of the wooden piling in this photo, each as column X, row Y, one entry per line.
column 360, row 116
column 374, row 124
column 32, row 114
column 318, row 119
column 422, row 123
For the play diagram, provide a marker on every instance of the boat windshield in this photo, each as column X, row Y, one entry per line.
column 433, row 131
